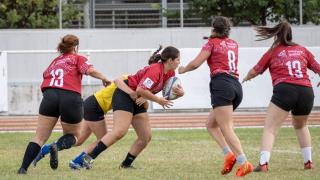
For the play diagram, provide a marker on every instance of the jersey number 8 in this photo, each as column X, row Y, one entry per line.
column 232, row 60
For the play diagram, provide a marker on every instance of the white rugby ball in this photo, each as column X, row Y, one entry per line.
column 167, row 88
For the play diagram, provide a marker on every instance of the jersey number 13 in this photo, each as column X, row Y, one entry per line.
column 57, row 78
column 294, row 68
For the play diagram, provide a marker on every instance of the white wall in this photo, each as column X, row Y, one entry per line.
column 3, row 82
column 42, row 39
column 256, row 93
column 25, row 70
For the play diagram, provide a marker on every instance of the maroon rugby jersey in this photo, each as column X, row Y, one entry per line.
column 151, row 78
column 288, row 64
column 224, row 56
column 65, row 72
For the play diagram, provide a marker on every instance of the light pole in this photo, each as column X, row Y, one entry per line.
column 300, row 11
column 164, row 8
column 181, row 13
column 60, row 14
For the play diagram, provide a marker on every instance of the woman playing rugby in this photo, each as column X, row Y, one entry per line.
column 292, row 91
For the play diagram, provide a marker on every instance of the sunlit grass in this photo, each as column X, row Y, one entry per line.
column 172, row 154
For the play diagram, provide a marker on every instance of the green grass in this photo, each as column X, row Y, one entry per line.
column 172, row 154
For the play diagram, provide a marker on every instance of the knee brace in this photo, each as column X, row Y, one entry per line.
column 66, row 141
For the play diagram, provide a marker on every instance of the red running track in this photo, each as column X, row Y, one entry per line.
column 159, row 120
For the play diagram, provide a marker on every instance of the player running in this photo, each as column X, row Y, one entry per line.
column 61, row 88
column 292, row 91
column 146, row 82
column 95, row 108
column 221, row 54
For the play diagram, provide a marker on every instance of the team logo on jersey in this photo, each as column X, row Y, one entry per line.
column 223, row 44
column 148, row 83
column 295, row 52
column 231, row 44
column 282, row 54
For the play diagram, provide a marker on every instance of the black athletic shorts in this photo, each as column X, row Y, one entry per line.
column 122, row 101
column 92, row 109
column 225, row 90
column 67, row 105
column 295, row 98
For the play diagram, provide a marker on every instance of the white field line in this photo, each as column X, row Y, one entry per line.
column 280, row 151
column 161, row 129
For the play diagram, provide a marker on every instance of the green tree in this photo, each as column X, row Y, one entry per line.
column 37, row 13
column 257, row 12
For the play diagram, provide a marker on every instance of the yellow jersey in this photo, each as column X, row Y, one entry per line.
column 104, row 96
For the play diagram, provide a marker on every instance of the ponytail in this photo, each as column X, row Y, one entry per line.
column 282, row 33
column 169, row 52
column 155, row 56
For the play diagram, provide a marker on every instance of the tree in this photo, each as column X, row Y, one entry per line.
column 37, row 13
column 257, row 12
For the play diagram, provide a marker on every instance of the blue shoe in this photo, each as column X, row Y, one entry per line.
column 75, row 166
column 87, row 161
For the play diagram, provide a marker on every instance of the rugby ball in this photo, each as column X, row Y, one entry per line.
column 167, row 88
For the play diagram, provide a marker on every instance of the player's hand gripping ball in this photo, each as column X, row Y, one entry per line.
column 168, row 91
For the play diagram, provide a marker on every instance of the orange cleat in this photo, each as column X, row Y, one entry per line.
column 261, row 168
column 308, row 165
column 244, row 169
column 229, row 162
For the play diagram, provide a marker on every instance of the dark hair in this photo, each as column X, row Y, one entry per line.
column 282, row 33
column 221, row 26
column 167, row 53
column 67, row 44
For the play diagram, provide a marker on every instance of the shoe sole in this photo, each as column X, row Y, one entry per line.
column 72, row 166
column 54, row 156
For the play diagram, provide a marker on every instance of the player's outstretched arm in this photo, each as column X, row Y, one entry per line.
column 251, row 74
column 96, row 74
column 194, row 64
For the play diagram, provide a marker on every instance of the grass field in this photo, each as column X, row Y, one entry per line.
column 172, row 154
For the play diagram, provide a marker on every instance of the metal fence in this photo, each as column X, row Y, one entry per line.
column 135, row 14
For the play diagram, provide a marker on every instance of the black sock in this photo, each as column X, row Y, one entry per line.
column 128, row 161
column 65, row 142
column 31, row 153
column 97, row 150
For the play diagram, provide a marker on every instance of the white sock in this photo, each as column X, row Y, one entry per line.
column 306, row 153
column 264, row 157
